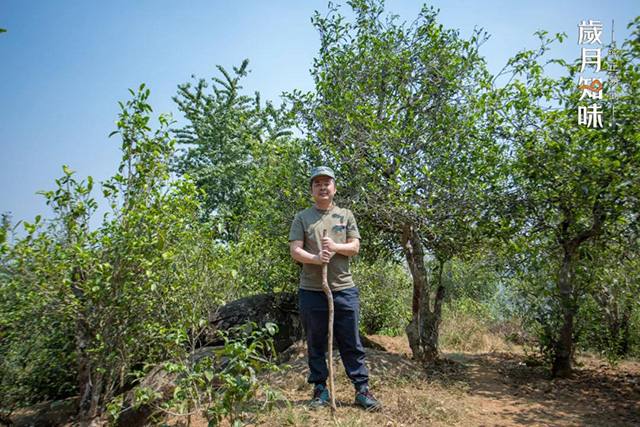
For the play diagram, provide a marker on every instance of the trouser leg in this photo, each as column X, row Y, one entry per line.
column 314, row 315
column 346, row 332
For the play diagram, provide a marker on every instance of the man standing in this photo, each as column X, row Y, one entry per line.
column 309, row 247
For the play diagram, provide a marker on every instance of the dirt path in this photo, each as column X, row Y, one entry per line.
column 510, row 393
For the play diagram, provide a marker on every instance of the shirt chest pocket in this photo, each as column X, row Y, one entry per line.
column 339, row 233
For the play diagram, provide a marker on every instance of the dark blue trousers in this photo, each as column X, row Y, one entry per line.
column 314, row 314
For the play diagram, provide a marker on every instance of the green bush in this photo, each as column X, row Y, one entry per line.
column 224, row 385
column 385, row 296
column 92, row 304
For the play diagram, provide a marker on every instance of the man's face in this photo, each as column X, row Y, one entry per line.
column 323, row 188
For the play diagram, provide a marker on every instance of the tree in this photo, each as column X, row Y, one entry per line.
column 224, row 139
column 396, row 111
column 114, row 291
column 570, row 183
column 609, row 268
column 253, row 174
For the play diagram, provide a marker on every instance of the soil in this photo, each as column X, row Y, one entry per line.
column 464, row 389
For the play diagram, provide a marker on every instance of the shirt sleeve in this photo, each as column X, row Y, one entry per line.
column 352, row 227
column 297, row 229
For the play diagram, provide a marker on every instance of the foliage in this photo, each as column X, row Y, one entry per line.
column 37, row 359
column 475, row 277
column 569, row 183
column 468, row 326
column 114, row 290
column 278, row 189
column 224, row 140
column 224, row 384
column 253, row 173
column 396, row 110
column 385, row 293
column 611, row 274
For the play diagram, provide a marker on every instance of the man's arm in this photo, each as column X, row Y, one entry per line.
column 351, row 248
column 300, row 255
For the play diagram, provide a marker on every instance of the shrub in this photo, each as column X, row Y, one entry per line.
column 385, row 296
column 223, row 385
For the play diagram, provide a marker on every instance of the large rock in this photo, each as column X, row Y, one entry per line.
column 279, row 308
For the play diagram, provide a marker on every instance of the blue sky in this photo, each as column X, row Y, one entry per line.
column 64, row 65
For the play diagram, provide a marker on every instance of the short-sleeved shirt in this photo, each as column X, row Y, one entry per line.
column 308, row 226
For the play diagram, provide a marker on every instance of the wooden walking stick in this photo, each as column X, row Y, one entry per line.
column 327, row 292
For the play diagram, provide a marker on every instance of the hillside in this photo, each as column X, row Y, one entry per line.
column 468, row 389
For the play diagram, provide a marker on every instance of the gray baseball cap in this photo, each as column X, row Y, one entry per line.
column 322, row 170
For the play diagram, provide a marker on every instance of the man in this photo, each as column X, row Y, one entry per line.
column 309, row 247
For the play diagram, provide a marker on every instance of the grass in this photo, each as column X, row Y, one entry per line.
column 464, row 333
column 410, row 396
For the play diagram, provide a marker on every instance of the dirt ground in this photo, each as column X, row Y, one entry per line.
column 467, row 389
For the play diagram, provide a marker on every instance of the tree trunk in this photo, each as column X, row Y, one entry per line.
column 83, row 341
column 430, row 322
column 625, row 332
column 563, row 351
column 83, row 338
column 422, row 332
column 415, row 259
column 96, row 395
column 563, row 348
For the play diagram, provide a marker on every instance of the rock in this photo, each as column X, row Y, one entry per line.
column 296, row 351
column 279, row 308
column 158, row 380
column 43, row 414
column 366, row 342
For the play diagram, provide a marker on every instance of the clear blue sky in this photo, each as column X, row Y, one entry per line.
column 65, row 64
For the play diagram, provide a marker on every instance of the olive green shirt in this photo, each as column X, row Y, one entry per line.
column 308, row 226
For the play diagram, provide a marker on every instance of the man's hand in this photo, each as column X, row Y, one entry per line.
column 352, row 247
column 300, row 255
column 325, row 255
column 329, row 244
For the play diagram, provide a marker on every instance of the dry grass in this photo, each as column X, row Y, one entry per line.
column 411, row 396
column 477, row 389
column 466, row 334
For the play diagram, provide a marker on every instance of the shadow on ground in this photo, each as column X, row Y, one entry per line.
column 526, row 395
